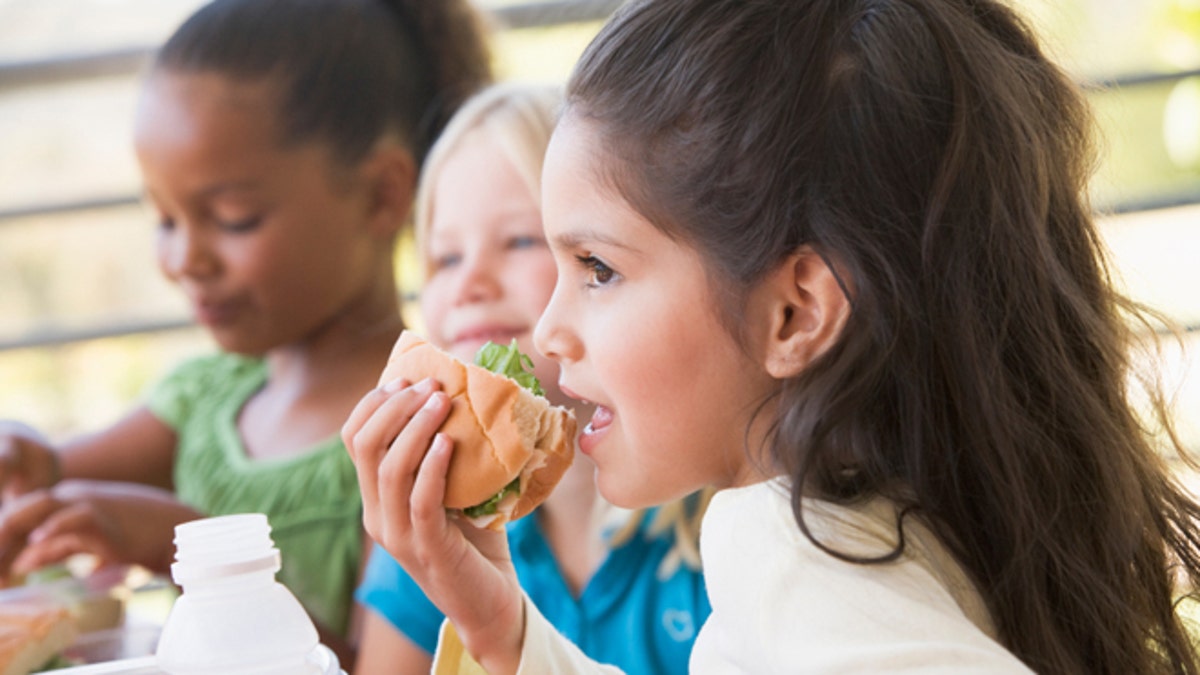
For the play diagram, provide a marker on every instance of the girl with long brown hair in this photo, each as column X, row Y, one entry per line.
column 834, row 258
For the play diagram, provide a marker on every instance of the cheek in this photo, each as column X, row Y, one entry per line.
column 665, row 379
column 434, row 301
column 293, row 285
column 534, row 284
column 275, row 265
column 628, row 355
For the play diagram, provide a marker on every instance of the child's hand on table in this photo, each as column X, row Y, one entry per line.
column 27, row 460
column 116, row 522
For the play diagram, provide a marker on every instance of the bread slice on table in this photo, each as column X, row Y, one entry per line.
column 32, row 631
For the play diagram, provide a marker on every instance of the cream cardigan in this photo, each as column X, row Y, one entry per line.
column 782, row 605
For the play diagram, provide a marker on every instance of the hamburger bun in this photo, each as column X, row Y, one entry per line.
column 501, row 431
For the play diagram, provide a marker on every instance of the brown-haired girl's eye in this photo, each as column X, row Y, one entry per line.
column 600, row 274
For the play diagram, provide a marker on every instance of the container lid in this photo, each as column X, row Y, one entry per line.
column 221, row 546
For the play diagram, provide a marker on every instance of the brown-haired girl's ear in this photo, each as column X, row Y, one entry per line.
column 808, row 308
column 391, row 172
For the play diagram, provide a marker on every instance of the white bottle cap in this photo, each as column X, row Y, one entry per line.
column 222, row 546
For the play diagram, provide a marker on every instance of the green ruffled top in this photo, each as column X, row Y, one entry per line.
column 311, row 499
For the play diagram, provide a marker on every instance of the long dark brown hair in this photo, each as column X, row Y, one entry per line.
column 932, row 151
column 349, row 71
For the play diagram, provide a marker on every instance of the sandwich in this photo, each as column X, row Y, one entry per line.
column 32, row 632
column 511, row 445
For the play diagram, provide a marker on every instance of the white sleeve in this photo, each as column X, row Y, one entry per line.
column 545, row 650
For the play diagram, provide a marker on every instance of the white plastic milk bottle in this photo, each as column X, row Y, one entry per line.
column 233, row 617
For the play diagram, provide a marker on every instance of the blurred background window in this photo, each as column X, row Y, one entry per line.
column 86, row 323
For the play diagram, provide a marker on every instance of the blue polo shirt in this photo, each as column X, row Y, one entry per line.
column 626, row 616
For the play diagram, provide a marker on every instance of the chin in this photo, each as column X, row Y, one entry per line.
column 246, row 348
column 622, row 497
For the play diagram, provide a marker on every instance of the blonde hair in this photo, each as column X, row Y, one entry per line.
column 681, row 520
column 521, row 117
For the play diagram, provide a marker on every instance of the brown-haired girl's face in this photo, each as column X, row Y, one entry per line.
column 267, row 242
column 634, row 329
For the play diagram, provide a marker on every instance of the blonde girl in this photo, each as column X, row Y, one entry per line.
column 279, row 143
column 610, row 580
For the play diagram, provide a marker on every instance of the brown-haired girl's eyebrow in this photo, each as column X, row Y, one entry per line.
column 586, row 237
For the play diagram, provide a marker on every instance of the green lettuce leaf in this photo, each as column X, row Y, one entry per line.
column 489, row 507
column 510, row 362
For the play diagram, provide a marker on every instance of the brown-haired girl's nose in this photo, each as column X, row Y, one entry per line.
column 553, row 336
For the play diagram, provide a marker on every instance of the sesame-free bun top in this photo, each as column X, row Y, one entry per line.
column 500, row 429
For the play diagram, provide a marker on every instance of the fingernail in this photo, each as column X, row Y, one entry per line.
column 435, row 401
column 441, row 443
column 394, row 386
column 424, row 386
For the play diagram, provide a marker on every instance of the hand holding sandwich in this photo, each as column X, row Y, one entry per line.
column 465, row 571
column 418, row 483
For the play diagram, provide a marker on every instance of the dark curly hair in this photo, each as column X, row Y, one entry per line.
column 349, row 70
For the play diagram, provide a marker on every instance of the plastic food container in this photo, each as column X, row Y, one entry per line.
column 116, row 612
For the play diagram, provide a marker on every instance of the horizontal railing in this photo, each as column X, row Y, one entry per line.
column 127, row 61
column 73, row 67
column 1140, row 79
column 65, row 206
column 53, row 337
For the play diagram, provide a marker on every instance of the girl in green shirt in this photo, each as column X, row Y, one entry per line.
column 279, row 143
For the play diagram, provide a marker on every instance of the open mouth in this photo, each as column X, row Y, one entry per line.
column 600, row 421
